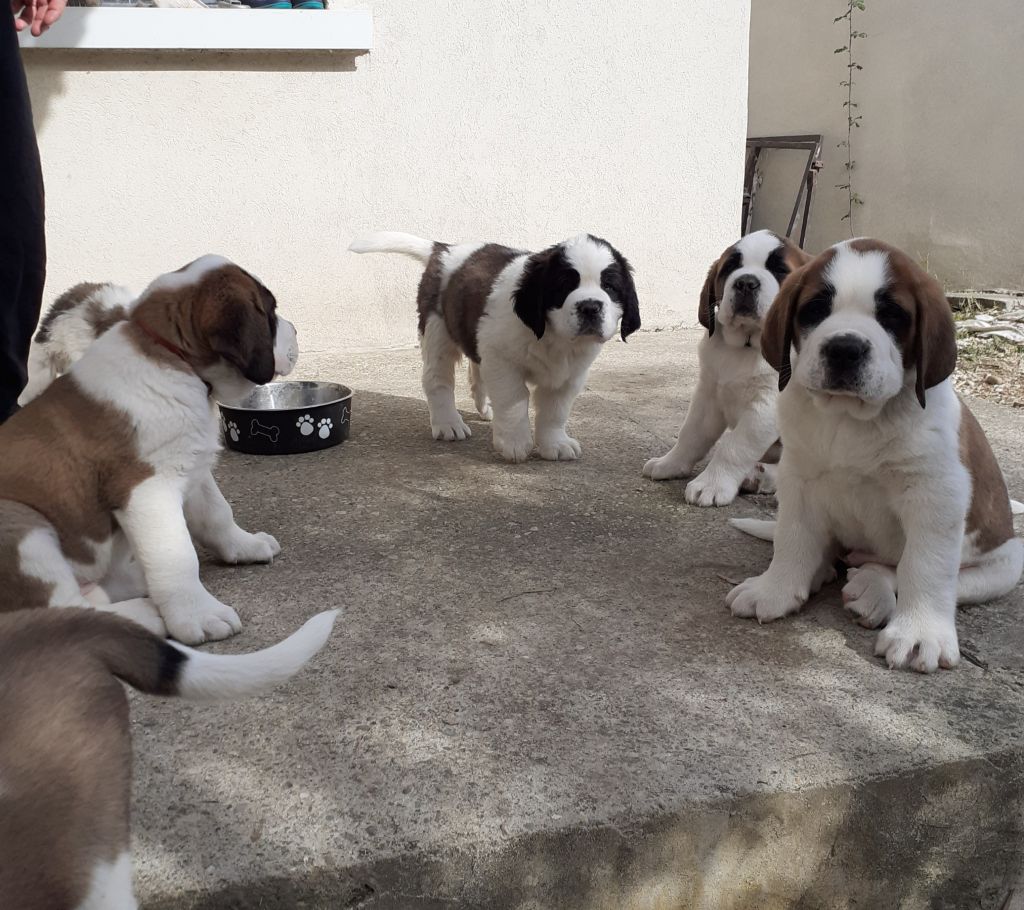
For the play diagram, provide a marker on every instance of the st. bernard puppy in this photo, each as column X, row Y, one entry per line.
column 77, row 318
column 881, row 460
column 734, row 402
column 65, row 752
column 523, row 320
column 106, row 476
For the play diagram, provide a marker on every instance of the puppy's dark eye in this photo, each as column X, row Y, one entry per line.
column 816, row 310
column 730, row 265
column 776, row 264
column 890, row 315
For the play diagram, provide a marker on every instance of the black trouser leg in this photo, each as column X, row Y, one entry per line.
column 22, row 238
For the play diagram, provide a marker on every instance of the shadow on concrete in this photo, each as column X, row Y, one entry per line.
column 537, row 699
column 930, row 839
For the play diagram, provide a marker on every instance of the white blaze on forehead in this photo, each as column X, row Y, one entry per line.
column 756, row 248
column 856, row 276
column 590, row 259
column 191, row 274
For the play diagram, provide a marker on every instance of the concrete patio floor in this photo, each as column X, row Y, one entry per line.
column 537, row 698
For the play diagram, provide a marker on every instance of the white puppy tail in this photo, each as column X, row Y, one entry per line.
column 394, row 242
column 755, row 527
column 211, row 677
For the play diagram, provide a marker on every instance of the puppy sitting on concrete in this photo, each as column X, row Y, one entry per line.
column 735, row 399
column 881, row 461
column 107, row 475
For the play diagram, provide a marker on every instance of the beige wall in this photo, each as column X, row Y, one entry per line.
column 939, row 154
column 521, row 121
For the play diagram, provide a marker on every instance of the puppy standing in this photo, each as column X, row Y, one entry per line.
column 880, row 458
column 736, row 388
column 108, row 472
column 65, row 746
column 522, row 319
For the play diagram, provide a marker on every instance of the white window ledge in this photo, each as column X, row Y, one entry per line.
column 109, row 28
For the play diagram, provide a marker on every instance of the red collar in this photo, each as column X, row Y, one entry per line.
column 160, row 340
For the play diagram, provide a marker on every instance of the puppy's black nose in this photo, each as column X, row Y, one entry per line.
column 845, row 352
column 747, row 284
column 589, row 309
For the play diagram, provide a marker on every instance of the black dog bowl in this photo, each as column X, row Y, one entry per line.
column 284, row 418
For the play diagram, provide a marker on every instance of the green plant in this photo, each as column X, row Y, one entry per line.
column 852, row 117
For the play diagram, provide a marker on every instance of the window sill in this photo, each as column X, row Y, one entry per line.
column 111, row 28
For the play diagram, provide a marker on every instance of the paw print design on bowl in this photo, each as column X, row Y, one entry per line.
column 231, row 428
column 325, row 426
column 305, row 425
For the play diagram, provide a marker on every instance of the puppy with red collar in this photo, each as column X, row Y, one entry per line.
column 106, row 476
column 734, row 402
column 881, row 460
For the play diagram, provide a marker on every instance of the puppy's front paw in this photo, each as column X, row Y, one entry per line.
column 515, row 447
column 243, row 548
column 193, row 619
column 923, row 643
column 761, row 599
column 711, row 489
column 558, row 447
column 666, row 467
column 450, row 429
column 869, row 595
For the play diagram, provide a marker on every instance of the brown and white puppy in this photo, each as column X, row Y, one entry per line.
column 77, row 318
column 737, row 390
column 65, row 752
column 880, row 459
column 524, row 320
column 106, row 476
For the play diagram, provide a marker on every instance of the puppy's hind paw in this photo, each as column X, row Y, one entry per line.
column 666, row 467
column 759, row 598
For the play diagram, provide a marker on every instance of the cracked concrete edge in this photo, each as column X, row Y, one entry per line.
column 941, row 838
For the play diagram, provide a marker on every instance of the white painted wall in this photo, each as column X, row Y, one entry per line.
column 938, row 157
column 522, row 121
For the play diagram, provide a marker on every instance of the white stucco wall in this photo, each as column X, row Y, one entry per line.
column 938, row 155
column 521, row 121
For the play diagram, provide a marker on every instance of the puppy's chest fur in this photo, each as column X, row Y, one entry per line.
column 740, row 377
column 935, row 460
column 456, row 285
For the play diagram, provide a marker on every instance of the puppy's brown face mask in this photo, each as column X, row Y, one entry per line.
column 212, row 312
column 859, row 324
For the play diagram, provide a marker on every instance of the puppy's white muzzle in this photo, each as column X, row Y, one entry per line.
column 286, row 347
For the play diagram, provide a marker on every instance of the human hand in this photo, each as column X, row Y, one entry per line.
column 36, row 15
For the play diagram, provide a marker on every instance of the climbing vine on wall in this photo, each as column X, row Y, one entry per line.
column 851, row 107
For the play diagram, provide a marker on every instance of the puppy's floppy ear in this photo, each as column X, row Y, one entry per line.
column 706, row 310
column 630, row 303
column 531, row 299
column 777, row 331
column 934, row 343
column 240, row 313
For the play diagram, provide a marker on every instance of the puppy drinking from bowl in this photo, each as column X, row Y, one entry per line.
column 107, row 475
column 524, row 320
